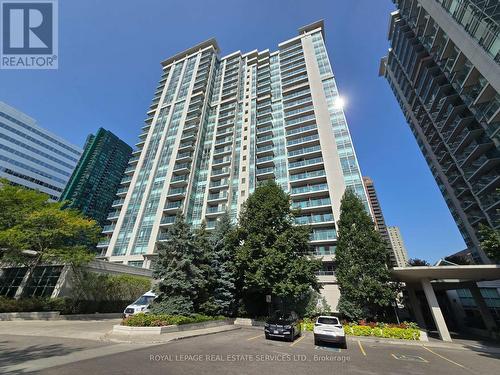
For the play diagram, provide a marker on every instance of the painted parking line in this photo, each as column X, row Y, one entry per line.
column 298, row 340
column 411, row 358
column 255, row 337
column 361, row 348
column 442, row 357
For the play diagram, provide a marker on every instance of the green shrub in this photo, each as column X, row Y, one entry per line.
column 383, row 330
column 159, row 320
column 64, row 305
column 308, row 324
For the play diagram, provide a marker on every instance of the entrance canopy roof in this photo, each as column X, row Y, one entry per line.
column 474, row 273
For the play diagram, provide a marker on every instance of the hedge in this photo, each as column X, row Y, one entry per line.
column 64, row 305
column 159, row 320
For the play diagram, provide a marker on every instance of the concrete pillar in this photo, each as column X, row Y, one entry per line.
column 488, row 319
column 417, row 309
column 444, row 334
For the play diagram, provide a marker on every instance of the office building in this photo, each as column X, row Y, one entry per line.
column 378, row 218
column 97, row 176
column 444, row 69
column 218, row 126
column 33, row 157
column 398, row 247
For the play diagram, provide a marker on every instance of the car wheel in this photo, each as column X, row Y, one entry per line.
column 267, row 336
column 343, row 344
column 316, row 341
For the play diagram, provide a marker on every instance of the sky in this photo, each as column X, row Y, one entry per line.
column 109, row 65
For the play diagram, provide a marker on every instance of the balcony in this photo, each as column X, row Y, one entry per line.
column 216, row 210
column 264, row 173
column 221, row 161
column 167, row 220
column 182, row 167
column 305, row 151
column 184, row 156
column 173, row 205
column 118, row 202
column 219, row 184
column 220, row 171
column 323, row 235
column 104, row 243
column 321, row 219
column 297, row 142
column 176, row 192
column 306, row 164
column 113, row 215
column 222, row 195
column 108, row 228
column 122, row 191
column 309, row 189
column 179, row 179
column 265, row 150
column 311, row 204
column 302, row 111
column 316, row 176
column 126, row 180
column 265, row 161
column 265, row 140
column 130, row 170
column 133, row 160
column 303, row 120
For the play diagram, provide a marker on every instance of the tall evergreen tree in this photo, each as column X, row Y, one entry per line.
column 179, row 276
column 202, row 259
column 490, row 242
column 362, row 273
column 224, row 288
column 273, row 253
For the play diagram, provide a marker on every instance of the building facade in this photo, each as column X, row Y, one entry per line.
column 218, row 126
column 444, row 69
column 398, row 247
column 97, row 176
column 378, row 217
column 33, row 157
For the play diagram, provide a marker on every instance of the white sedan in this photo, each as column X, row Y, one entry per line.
column 329, row 329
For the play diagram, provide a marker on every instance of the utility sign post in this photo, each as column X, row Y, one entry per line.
column 29, row 34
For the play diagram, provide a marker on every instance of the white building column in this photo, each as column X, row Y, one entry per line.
column 444, row 334
column 416, row 307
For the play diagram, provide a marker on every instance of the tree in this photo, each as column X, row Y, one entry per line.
column 416, row 262
column 490, row 242
column 362, row 273
column 178, row 275
column 224, row 288
column 42, row 232
column 202, row 259
column 273, row 253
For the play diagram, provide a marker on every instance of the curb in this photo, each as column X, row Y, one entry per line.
column 156, row 339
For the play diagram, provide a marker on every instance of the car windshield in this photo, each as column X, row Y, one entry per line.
column 144, row 300
column 328, row 321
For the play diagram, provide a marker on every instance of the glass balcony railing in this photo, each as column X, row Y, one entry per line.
column 311, row 203
column 297, row 141
column 309, row 188
column 305, row 150
column 302, row 163
column 299, row 120
column 312, row 219
column 323, row 235
column 305, row 175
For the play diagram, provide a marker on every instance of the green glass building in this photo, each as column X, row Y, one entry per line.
column 97, row 176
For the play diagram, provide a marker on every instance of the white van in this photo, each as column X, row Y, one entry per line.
column 141, row 305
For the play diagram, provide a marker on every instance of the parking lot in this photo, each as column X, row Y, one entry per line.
column 246, row 351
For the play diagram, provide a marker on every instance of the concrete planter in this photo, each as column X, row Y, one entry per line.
column 172, row 328
column 249, row 322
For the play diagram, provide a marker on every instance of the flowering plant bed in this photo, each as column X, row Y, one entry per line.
column 402, row 331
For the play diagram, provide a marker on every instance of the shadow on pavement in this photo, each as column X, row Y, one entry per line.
column 13, row 356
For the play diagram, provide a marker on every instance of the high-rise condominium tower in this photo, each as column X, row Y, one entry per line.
column 33, row 157
column 378, row 217
column 218, row 126
column 97, row 176
column 444, row 69
column 398, row 246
